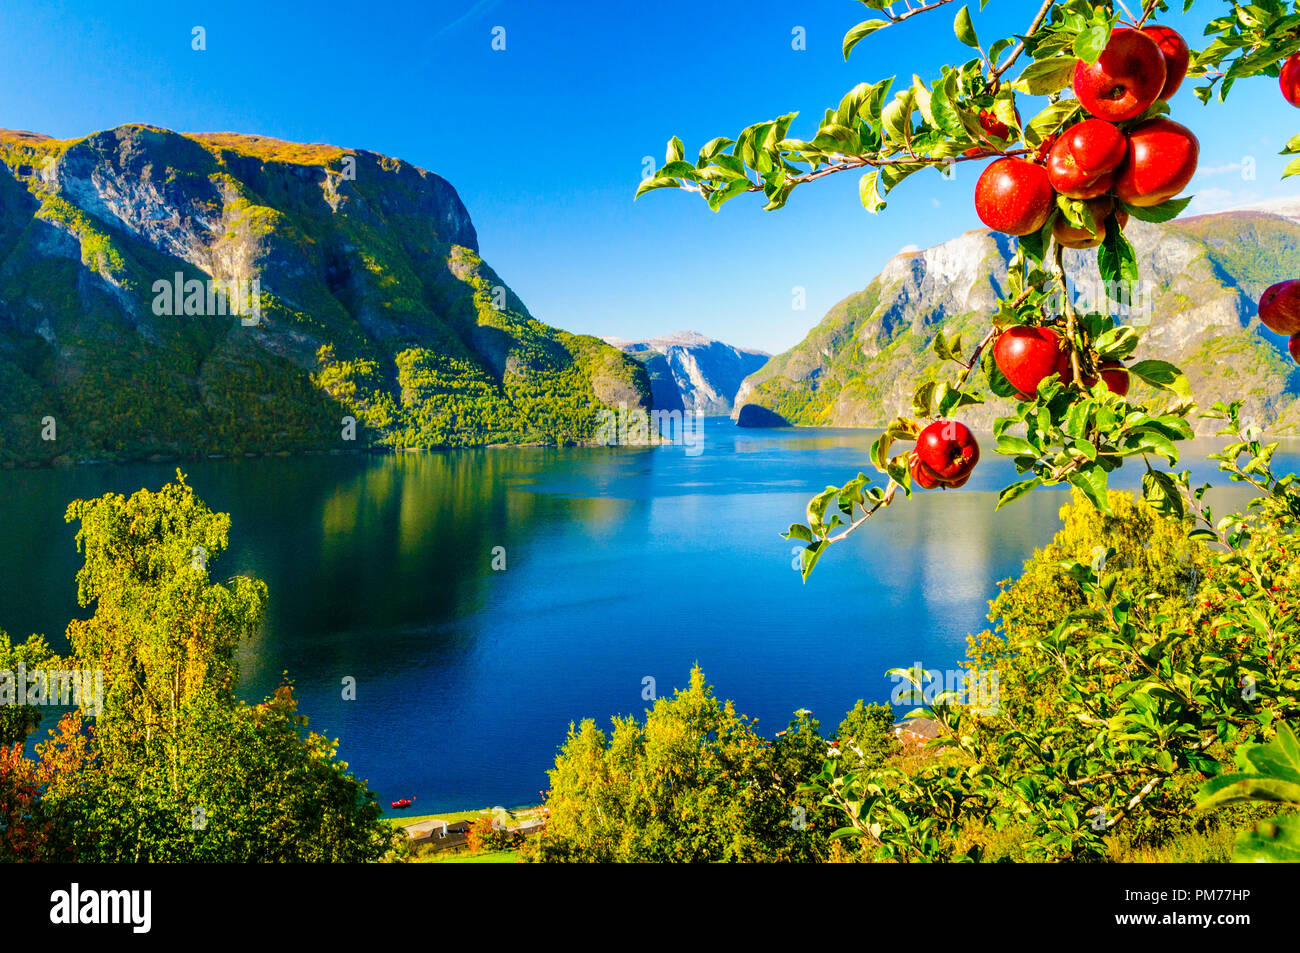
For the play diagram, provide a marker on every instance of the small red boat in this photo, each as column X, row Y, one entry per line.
column 404, row 802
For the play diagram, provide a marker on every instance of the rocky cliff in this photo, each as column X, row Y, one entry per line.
column 691, row 372
column 363, row 296
column 861, row 364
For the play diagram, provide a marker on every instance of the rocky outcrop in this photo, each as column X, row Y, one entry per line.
column 691, row 372
column 1202, row 276
column 752, row 415
column 371, row 302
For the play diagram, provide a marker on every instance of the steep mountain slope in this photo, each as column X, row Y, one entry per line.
column 861, row 364
column 691, row 372
column 373, row 301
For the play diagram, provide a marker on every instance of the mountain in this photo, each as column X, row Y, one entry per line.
column 363, row 290
column 861, row 364
column 691, row 372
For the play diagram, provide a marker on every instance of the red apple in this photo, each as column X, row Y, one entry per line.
column 1177, row 56
column 1126, row 79
column 1279, row 307
column 1294, row 347
column 1028, row 356
column 1068, row 236
column 1114, row 373
column 1083, row 160
column 1290, row 79
column 948, row 450
column 1013, row 196
column 1116, row 376
column 922, row 475
column 994, row 128
column 1162, row 157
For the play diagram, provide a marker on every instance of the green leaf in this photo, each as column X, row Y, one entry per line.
column 800, row 532
column 1163, row 375
column 860, row 32
column 1045, row 77
column 946, row 114
column 1160, row 491
column 896, row 120
column 923, row 399
column 1164, row 212
column 657, row 182
column 869, row 193
column 1010, row 446
column 1093, row 481
column 1116, row 259
column 808, row 557
column 1089, row 44
column 1117, row 343
column 1228, row 788
column 1275, row 841
column 1049, row 121
column 1015, row 491
column 945, row 349
column 1276, row 778
column 949, row 398
column 965, row 29
column 1280, row 757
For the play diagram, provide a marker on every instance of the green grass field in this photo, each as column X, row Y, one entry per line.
column 404, row 821
column 465, row 857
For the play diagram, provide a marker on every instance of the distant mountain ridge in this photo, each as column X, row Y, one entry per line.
column 374, row 306
column 861, row 364
column 691, row 372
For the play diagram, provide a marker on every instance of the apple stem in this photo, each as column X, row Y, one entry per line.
column 1146, row 14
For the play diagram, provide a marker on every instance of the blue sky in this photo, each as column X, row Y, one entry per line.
column 545, row 140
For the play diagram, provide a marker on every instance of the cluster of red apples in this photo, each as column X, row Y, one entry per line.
column 1106, row 157
column 1111, row 155
column 946, row 450
column 1099, row 160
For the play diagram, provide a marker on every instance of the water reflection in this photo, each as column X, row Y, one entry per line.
column 621, row 564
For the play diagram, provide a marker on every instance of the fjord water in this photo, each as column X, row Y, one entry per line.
column 621, row 564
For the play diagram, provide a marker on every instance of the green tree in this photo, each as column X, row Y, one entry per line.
column 174, row 767
column 257, row 787
column 18, row 720
column 1127, row 677
column 161, row 631
column 695, row 782
column 866, row 737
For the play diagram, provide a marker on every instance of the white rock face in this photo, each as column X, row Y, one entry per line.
column 691, row 372
column 918, row 288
